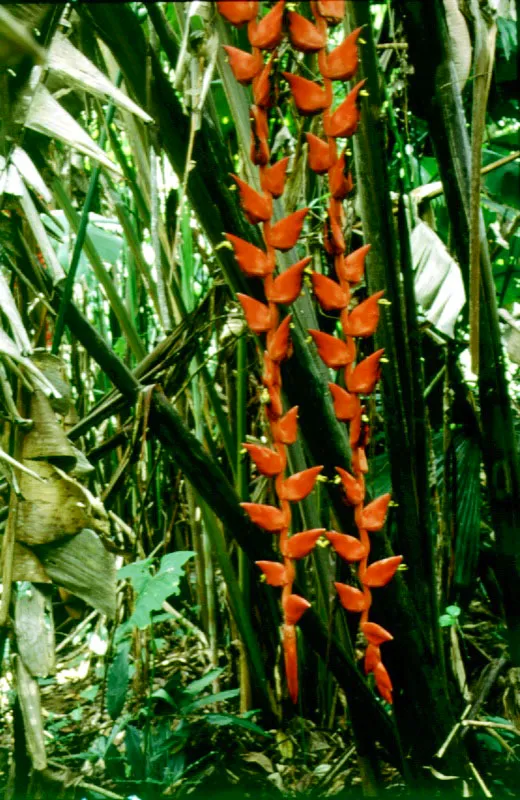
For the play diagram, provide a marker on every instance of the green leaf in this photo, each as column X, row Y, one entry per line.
column 226, row 720
column 197, row 686
column 117, row 681
column 446, row 620
column 90, row 693
column 209, row 699
column 489, row 742
column 453, row 611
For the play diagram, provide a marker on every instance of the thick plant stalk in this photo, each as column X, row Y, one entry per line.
column 264, row 318
column 310, row 98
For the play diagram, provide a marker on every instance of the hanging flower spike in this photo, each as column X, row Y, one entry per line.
column 354, row 265
column 321, row 155
column 346, row 406
column 257, row 207
column 383, row 682
column 245, row 66
column 274, row 572
column 372, row 658
column 279, row 345
column 348, row 547
column 332, row 10
column 267, row 461
column 344, row 121
column 334, row 352
column 350, row 598
column 262, row 86
column 267, row 34
column 374, row 514
column 375, row 634
column 301, row 544
column 251, row 260
column 287, row 286
column 258, row 315
column 354, row 488
column 259, row 137
column 271, row 376
column 340, row 183
column 342, row 62
column 285, row 233
column 310, row 97
column 304, row 35
column 365, row 376
column 329, row 293
column 363, row 320
column 336, row 234
column 237, row 12
column 300, row 484
column 285, row 429
column 294, row 608
column 381, row 572
column 272, row 179
column 267, row 517
column 290, row 651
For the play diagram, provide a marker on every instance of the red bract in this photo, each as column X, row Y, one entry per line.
column 257, row 314
column 259, row 137
column 257, row 207
column 381, row 572
column 362, row 321
column 354, row 488
column 382, row 678
column 285, row 233
column 346, row 405
column 329, row 293
column 262, row 86
column 294, row 607
column 354, row 266
column 332, row 10
column 272, row 179
column 342, row 62
column 290, row 652
column 310, row 97
column 267, row 517
column 374, row 515
column 350, row 598
column 251, row 260
column 372, row 658
column 304, row 35
column 286, row 428
column 336, row 234
column 363, row 379
column 267, row 461
column 340, row 184
column 287, row 286
column 243, row 65
column 236, row 11
column 300, row 484
column 267, row 34
column 345, row 119
column 334, row 352
column 321, row 155
column 274, row 572
column 271, row 376
column 301, row 544
column 375, row 634
column 359, row 460
column 348, row 547
column 279, row 345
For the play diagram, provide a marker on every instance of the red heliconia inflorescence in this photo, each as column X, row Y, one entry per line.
column 265, row 35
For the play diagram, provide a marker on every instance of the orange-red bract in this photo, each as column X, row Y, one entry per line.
column 259, row 137
column 350, row 598
column 355, row 429
column 275, row 399
column 346, row 406
column 290, row 652
column 285, row 233
column 345, row 119
column 342, row 62
column 243, row 65
column 251, row 260
column 354, row 488
column 362, row 321
column 374, row 514
column 268, row 32
column 301, row 544
column 238, row 11
column 348, row 547
column 257, row 207
column 332, row 10
column 336, row 240
column 279, row 345
column 267, row 461
column 300, row 484
column 321, row 155
column 329, row 293
column 304, row 35
column 273, row 571
column 310, row 97
column 287, row 286
column 382, row 678
column 372, row 657
column 294, row 607
column 340, row 184
column 381, row 572
column 267, row 517
column 258, row 315
column 333, row 351
column 262, row 86
column 286, row 428
column 363, row 379
column 375, row 634
column 353, row 267
column 271, row 375
column 272, row 179
column 359, row 460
